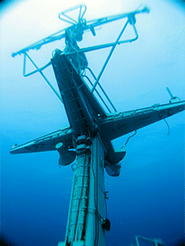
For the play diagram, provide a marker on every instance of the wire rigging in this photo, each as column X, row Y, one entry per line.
column 167, row 126
column 130, row 137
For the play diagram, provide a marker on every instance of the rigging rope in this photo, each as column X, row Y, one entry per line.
column 167, row 126
column 130, row 137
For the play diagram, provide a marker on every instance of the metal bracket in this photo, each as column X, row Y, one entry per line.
column 173, row 99
column 64, row 17
column 83, row 25
column 40, row 71
column 155, row 241
column 131, row 20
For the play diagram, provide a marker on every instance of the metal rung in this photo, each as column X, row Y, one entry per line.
column 80, row 186
column 82, row 166
column 71, row 224
column 83, row 197
column 83, row 176
column 101, row 98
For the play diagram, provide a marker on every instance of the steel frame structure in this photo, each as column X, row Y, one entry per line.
column 88, row 138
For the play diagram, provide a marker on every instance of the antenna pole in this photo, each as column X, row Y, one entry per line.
column 169, row 92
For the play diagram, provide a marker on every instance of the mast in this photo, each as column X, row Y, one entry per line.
column 87, row 213
column 91, row 130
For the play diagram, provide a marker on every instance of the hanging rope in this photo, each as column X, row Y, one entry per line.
column 130, row 137
column 167, row 126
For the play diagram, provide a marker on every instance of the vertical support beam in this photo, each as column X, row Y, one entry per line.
column 87, row 206
column 79, row 196
column 95, row 234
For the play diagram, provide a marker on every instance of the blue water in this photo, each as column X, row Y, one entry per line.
column 147, row 199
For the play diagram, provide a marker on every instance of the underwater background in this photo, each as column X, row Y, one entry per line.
column 147, row 199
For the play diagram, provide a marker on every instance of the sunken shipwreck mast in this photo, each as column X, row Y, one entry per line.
column 87, row 140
